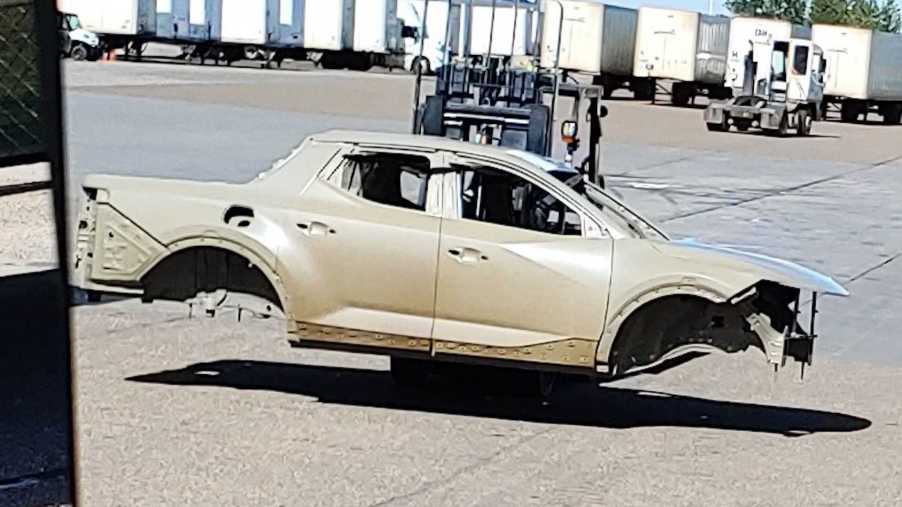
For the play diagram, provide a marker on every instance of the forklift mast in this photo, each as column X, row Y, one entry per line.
column 496, row 99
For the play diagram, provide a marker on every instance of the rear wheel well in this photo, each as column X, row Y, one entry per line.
column 185, row 274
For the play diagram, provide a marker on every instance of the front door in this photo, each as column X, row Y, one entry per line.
column 516, row 277
column 362, row 262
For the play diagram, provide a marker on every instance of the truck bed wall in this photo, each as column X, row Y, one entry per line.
column 666, row 41
column 711, row 52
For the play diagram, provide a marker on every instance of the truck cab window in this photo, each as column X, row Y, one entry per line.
column 390, row 179
column 497, row 197
column 800, row 60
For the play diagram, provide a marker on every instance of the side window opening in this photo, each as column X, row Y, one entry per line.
column 497, row 197
column 391, row 179
column 778, row 61
column 800, row 60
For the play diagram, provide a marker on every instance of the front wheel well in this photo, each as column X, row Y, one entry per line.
column 664, row 326
column 186, row 273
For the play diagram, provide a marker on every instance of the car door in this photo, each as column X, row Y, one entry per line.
column 516, row 281
column 362, row 258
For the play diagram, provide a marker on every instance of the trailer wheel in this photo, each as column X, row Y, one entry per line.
column 850, row 111
column 680, row 94
column 892, row 114
column 805, row 120
column 79, row 53
column 644, row 89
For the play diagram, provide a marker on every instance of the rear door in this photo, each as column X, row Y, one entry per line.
column 362, row 253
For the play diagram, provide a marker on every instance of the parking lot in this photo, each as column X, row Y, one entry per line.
column 199, row 411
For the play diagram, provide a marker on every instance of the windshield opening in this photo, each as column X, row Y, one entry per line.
column 613, row 210
column 72, row 22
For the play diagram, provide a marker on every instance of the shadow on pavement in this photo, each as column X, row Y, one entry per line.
column 581, row 404
column 34, row 406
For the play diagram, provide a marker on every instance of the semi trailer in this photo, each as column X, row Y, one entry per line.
column 687, row 47
column 595, row 39
column 864, row 71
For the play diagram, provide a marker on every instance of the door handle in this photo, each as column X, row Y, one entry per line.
column 465, row 255
column 315, row 228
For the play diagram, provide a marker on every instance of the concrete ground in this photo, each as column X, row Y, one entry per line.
column 199, row 411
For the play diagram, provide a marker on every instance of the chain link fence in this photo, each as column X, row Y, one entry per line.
column 22, row 130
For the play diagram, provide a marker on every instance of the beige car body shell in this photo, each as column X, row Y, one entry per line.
column 357, row 275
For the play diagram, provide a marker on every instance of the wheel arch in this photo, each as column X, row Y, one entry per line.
column 228, row 251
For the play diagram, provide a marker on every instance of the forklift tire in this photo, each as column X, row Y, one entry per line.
column 79, row 53
column 805, row 120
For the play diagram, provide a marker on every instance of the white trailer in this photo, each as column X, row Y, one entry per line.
column 596, row 39
column 437, row 26
column 188, row 21
column 496, row 31
column 353, row 33
column 687, row 47
column 864, row 71
column 116, row 22
column 756, row 35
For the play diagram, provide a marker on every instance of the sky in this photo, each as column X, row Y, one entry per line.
column 689, row 5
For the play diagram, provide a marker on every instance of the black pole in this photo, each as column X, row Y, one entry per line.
column 52, row 111
column 415, row 126
column 446, row 65
column 557, row 81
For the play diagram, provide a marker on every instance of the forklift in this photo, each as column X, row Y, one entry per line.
column 510, row 101
column 782, row 89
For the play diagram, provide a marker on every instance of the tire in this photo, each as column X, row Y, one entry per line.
column 849, row 112
column 680, row 94
column 644, row 90
column 805, row 119
column 251, row 53
column 79, row 53
column 892, row 114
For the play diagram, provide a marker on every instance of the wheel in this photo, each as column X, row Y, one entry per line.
column 849, row 112
column 680, row 94
column 644, row 90
column 79, row 53
column 407, row 372
column 892, row 114
column 251, row 53
column 805, row 120
column 422, row 63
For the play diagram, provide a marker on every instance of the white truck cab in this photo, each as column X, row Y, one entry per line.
column 76, row 42
column 781, row 88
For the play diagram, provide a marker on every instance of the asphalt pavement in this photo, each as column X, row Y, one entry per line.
column 179, row 410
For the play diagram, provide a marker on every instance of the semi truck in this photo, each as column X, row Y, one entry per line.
column 864, row 71
column 595, row 39
column 783, row 88
column 687, row 47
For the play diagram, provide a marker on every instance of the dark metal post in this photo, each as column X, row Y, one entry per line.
column 446, row 65
column 415, row 126
column 557, row 80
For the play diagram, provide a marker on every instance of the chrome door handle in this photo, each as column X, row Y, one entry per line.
column 465, row 255
column 315, row 228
